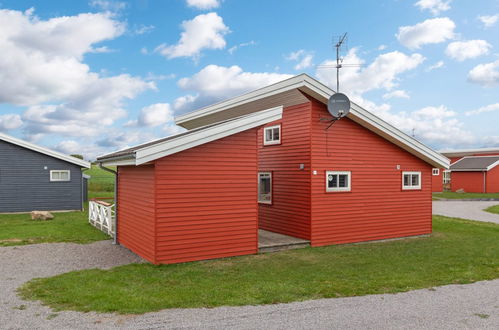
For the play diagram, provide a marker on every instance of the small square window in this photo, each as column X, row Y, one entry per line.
column 60, row 175
column 411, row 180
column 435, row 171
column 338, row 181
column 272, row 135
column 265, row 187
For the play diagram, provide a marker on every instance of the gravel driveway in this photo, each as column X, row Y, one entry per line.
column 473, row 210
column 473, row 306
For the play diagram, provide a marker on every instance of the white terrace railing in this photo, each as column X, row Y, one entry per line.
column 102, row 216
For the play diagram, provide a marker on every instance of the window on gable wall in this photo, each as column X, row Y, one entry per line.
column 435, row 171
column 265, row 187
column 60, row 175
column 338, row 181
column 272, row 135
column 411, row 180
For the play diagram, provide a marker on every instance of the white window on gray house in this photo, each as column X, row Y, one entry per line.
column 60, row 175
column 411, row 180
column 272, row 135
column 446, row 177
column 265, row 187
column 435, row 171
column 338, row 181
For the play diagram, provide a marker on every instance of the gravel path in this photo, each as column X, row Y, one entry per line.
column 472, row 306
column 473, row 210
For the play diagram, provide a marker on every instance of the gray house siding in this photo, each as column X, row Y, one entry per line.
column 25, row 181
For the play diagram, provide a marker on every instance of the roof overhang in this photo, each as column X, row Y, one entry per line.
column 471, row 169
column 43, row 150
column 469, row 152
column 322, row 93
column 201, row 136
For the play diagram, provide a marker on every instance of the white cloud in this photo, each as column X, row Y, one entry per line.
column 487, row 108
column 204, row 31
column 153, row 115
column 203, row 4
column 438, row 65
column 381, row 47
column 382, row 73
column 489, row 20
column 431, row 31
column 436, row 126
column 142, row 29
column 232, row 49
column 486, row 75
column 41, row 67
column 434, row 6
column 462, row 50
column 214, row 83
column 399, row 93
column 303, row 58
column 10, row 122
column 105, row 5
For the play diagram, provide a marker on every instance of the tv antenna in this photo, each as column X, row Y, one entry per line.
column 338, row 61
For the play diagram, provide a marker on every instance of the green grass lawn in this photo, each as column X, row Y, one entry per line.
column 459, row 251
column 493, row 209
column 19, row 229
column 100, row 180
column 454, row 195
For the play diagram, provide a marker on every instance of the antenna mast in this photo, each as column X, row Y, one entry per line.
column 338, row 62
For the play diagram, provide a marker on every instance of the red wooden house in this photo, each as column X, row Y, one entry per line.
column 188, row 198
column 474, row 170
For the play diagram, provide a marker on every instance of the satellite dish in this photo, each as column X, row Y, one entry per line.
column 338, row 105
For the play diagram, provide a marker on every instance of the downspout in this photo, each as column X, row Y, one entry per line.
column 115, row 238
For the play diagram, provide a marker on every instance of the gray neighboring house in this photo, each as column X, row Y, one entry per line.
column 37, row 178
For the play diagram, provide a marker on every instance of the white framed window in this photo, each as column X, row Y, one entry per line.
column 446, row 176
column 265, row 187
column 435, row 171
column 272, row 135
column 338, row 181
column 60, row 175
column 411, row 180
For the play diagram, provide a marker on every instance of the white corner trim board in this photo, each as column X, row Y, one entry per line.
column 320, row 91
column 43, row 150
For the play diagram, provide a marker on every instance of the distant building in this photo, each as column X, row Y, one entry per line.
column 36, row 178
column 474, row 170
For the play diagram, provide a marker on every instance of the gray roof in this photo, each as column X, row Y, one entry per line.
column 475, row 163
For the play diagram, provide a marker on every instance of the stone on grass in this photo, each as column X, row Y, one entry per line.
column 460, row 191
column 41, row 215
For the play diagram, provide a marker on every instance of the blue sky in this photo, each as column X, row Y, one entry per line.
column 94, row 76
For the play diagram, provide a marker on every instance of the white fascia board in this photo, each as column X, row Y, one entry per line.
column 467, row 152
column 123, row 162
column 44, row 150
column 322, row 93
column 491, row 166
column 279, row 87
column 209, row 134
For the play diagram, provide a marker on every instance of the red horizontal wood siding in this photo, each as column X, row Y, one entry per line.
column 206, row 199
column 469, row 181
column 136, row 210
column 493, row 180
column 437, row 183
column 289, row 212
column 377, row 207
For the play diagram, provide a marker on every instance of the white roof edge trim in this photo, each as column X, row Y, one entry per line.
column 287, row 84
column 458, row 151
column 209, row 134
column 123, row 162
column 43, row 150
column 357, row 112
column 491, row 166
